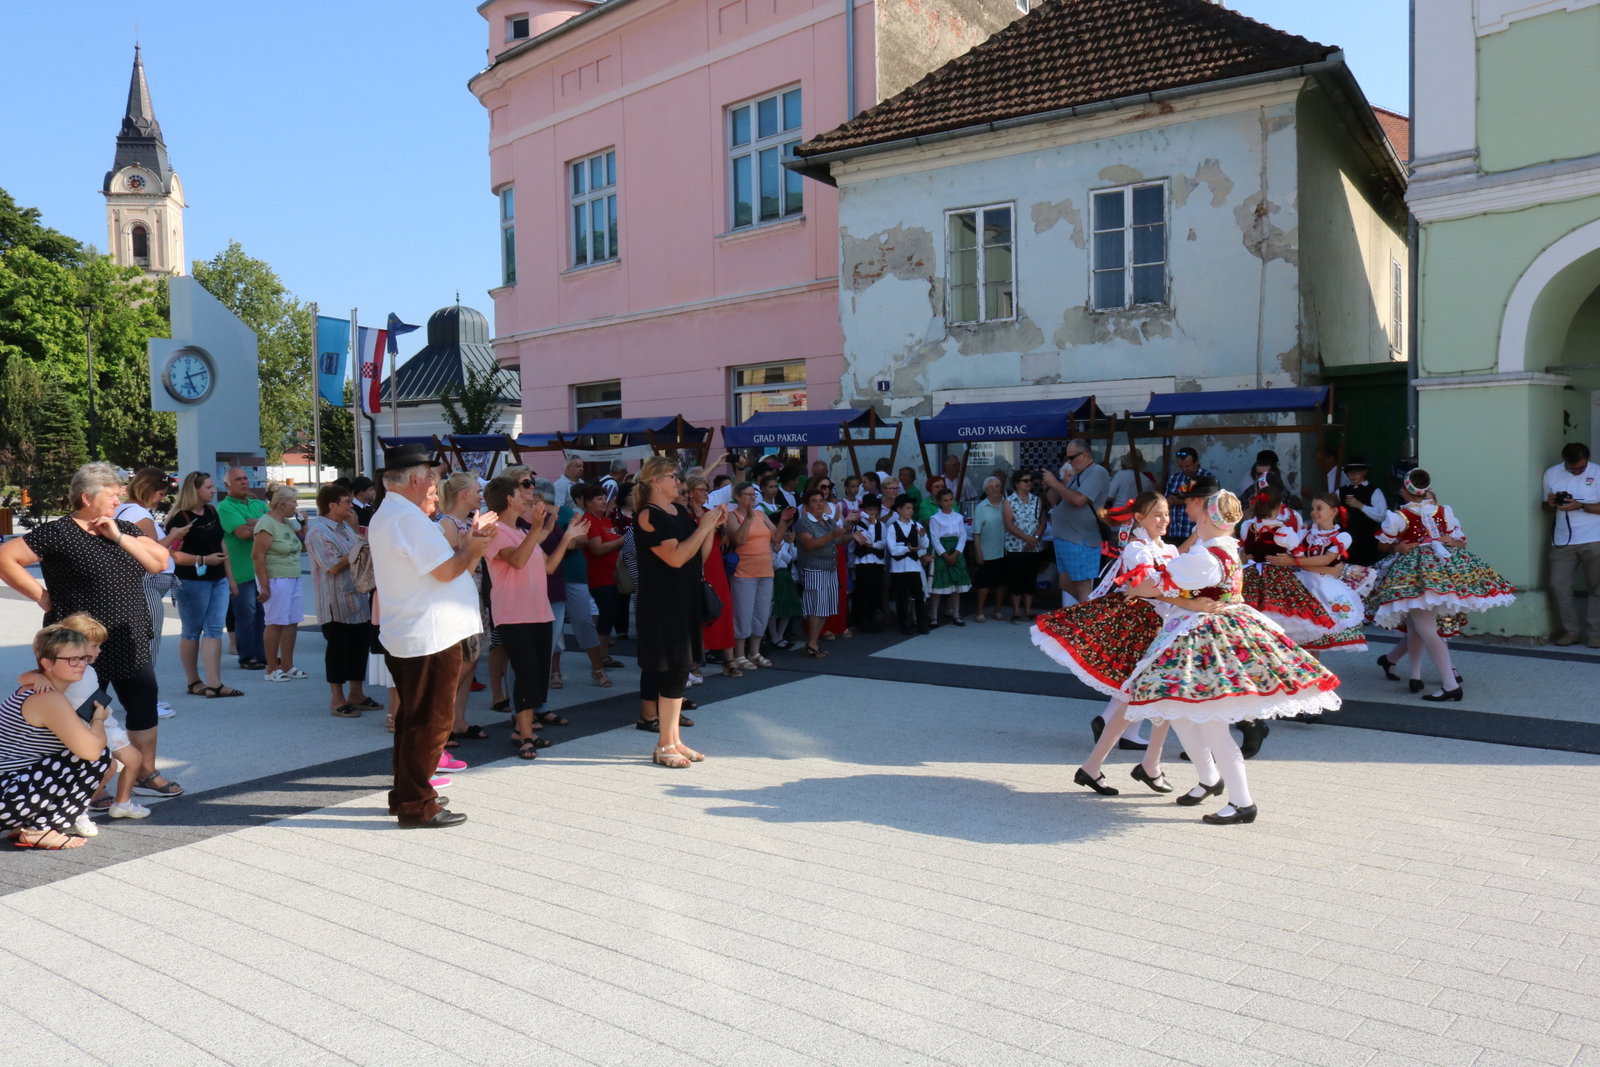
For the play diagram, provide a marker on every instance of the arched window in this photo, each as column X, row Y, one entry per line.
column 141, row 246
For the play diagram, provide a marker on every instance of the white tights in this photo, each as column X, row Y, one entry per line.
column 1215, row 753
column 1422, row 632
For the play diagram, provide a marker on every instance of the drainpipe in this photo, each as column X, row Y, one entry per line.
column 850, row 59
column 1413, row 274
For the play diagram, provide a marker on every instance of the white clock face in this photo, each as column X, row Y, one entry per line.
column 188, row 376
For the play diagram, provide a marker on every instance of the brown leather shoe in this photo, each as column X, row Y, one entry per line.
column 1568, row 638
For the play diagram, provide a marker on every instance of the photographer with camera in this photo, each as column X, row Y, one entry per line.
column 1572, row 494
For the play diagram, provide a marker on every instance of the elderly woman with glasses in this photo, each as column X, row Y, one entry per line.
column 95, row 564
column 276, row 554
column 1024, row 523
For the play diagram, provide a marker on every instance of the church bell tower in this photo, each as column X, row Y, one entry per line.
column 144, row 198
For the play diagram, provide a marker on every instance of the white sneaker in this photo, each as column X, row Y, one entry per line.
column 131, row 810
column 165, row 710
column 696, row 678
column 84, row 826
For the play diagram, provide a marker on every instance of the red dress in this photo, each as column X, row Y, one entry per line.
column 718, row 634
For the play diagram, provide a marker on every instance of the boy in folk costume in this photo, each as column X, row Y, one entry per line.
column 907, row 543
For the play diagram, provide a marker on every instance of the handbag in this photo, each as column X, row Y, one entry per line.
column 710, row 603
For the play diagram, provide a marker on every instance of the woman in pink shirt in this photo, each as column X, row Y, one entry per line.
column 520, row 602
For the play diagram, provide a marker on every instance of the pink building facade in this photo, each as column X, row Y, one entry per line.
column 656, row 257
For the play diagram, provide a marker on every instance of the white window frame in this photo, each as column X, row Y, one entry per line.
column 511, row 27
column 748, row 155
column 735, row 390
column 985, row 313
column 1127, row 229
column 579, row 407
column 584, row 196
column 508, row 234
column 1397, row 306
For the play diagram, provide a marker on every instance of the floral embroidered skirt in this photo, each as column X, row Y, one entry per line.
column 1448, row 584
column 1280, row 595
column 1226, row 666
column 1343, row 603
column 949, row 577
column 1098, row 640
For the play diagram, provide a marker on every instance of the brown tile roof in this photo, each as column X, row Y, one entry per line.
column 1397, row 128
column 1066, row 53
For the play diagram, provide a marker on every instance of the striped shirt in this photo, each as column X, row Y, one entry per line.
column 328, row 542
column 23, row 744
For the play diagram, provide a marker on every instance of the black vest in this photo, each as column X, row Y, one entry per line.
column 1362, row 530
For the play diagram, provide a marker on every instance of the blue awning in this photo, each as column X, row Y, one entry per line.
column 1019, row 420
column 637, row 431
column 537, row 440
column 778, row 429
column 1236, row 402
column 477, row 442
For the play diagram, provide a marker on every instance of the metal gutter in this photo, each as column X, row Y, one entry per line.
column 817, row 166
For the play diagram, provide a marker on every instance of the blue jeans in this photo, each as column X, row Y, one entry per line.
column 248, row 622
column 203, row 608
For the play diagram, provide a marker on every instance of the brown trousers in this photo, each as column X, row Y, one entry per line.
column 427, row 686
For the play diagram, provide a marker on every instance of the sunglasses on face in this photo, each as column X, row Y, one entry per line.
column 526, row 483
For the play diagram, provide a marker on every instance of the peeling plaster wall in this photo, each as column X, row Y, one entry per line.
column 1350, row 239
column 1233, row 319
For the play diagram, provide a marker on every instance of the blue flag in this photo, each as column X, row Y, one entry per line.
column 396, row 328
column 333, row 345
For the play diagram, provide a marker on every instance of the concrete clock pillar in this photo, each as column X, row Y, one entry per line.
column 208, row 372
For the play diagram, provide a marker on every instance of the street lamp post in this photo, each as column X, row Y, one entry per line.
column 88, row 352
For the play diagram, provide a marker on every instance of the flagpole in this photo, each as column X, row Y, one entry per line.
column 355, row 410
column 316, row 404
column 394, row 391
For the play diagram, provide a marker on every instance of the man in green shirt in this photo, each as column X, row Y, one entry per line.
column 239, row 512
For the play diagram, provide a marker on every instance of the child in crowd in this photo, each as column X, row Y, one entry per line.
column 907, row 544
column 786, row 607
column 124, row 807
column 947, row 536
column 868, row 549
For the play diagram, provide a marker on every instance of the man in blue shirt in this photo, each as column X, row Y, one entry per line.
column 1189, row 471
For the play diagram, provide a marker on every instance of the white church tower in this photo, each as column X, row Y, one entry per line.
column 144, row 198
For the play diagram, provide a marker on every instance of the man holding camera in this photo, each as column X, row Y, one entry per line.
column 1572, row 494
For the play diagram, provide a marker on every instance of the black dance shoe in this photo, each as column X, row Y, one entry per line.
column 1158, row 783
column 1097, row 784
column 1189, row 800
column 1129, row 746
column 1245, row 814
column 1387, row 668
column 1415, row 685
column 1444, row 694
column 1097, row 726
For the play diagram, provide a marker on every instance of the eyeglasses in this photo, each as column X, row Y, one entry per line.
column 71, row 661
column 526, row 483
column 1075, row 455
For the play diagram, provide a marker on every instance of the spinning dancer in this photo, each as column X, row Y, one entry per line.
column 1102, row 638
column 1433, row 575
column 1209, row 668
column 1321, row 561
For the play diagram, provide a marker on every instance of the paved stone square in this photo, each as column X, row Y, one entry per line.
column 882, row 861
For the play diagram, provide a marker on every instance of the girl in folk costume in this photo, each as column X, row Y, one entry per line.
column 1221, row 664
column 1275, row 591
column 947, row 534
column 1101, row 639
column 1321, row 559
column 1433, row 575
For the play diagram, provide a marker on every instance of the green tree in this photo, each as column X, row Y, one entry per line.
column 252, row 290
column 59, row 450
column 20, row 228
column 338, row 432
column 475, row 406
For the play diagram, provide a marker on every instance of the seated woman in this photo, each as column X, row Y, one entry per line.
column 50, row 759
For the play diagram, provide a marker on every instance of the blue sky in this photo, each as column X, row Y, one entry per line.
column 337, row 140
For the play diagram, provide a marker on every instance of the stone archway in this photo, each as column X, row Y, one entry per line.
column 1545, row 300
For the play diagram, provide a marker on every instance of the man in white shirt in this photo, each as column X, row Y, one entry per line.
column 955, row 481
column 1572, row 494
column 571, row 475
column 427, row 607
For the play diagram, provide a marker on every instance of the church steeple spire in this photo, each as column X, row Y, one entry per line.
column 139, row 142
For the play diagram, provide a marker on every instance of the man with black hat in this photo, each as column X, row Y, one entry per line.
column 428, row 609
column 1179, row 482
column 1365, row 508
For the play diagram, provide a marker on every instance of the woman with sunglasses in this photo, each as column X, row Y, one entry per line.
column 1024, row 522
column 205, row 576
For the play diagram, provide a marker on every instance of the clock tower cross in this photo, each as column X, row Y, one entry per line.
column 144, row 198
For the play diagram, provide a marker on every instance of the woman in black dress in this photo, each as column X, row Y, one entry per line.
column 671, row 549
column 95, row 564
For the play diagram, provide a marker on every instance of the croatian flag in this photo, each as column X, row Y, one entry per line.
column 370, row 346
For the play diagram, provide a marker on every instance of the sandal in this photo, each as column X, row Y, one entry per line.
column 760, row 661
column 550, row 718
column 730, row 671
column 197, row 688
column 556, row 681
column 600, row 679
column 690, row 754
column 346, row 711
column 814, row 652
column 650, row 726
column 146, row 786
column 527, row 749
column 502, row 706
column 212, row 692
column 368, row 704
column 669, row 757
column 471, row 733
column 55, row 840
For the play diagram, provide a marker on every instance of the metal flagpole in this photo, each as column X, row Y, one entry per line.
column 355, row 409
column 394, row 392
column 316, row 404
